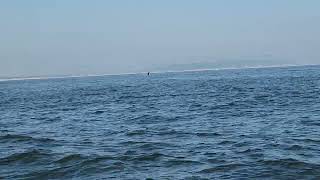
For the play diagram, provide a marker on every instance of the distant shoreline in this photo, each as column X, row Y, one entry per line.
column 235, row 68
column 152, row 72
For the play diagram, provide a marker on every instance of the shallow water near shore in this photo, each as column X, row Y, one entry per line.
column 226, row 124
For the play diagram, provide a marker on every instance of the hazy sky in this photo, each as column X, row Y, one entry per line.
column 50, row 37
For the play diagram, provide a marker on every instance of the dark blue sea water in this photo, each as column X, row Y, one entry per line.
column 227, row 124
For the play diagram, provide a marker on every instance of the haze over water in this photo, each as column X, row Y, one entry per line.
column 77, row 37
column 227, row 124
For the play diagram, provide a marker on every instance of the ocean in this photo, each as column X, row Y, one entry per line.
column 261, row 123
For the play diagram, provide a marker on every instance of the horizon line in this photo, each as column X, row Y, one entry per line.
column 153, row 72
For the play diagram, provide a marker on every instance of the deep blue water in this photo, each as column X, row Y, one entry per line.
column 227, row 124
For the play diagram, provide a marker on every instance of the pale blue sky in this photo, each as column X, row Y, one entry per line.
column 50, row 37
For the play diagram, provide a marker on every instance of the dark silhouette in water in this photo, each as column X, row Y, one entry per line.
column 148, row 73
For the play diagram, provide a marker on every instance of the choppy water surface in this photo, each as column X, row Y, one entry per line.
column 228, row 124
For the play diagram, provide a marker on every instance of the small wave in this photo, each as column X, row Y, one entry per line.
column 93, row 94
column 140, row 97
column 310, row 122
column 207, row 134
column 70, row 158
column 308, row 140
column 195, row 178
column 148, row 157
column 295, row 147
column 140, row 158
column 216, row 161
column 148, row 146
column 251, row 150
column 182, row 162
column 47, row 118
column 96, row 160
column 82, row 161
column 51, row 173
column 15, row 137
column 149, row 119
column 68, row 109
column 72, row 164
column 22, row 138
column 136, row 132
column 99, row 112
column 240, row 144
column 227, row 142
column 163, row 95
column 222, row 168
column 290, row 163
column 168, row 132
column 24, row 157
column 117, row 166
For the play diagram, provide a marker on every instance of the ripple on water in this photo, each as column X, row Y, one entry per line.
column 222, row 168
column 290, row 164
column 229, row 124
column 24, row 157
column 23, row 138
